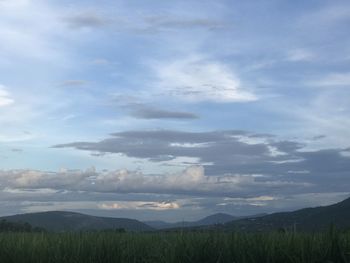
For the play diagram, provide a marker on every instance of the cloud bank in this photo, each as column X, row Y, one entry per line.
column 262, row 157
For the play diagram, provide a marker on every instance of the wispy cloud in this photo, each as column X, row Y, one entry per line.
column 30, row 30
column 101, row 61
column 144, row 23
column 139, row 108
column 74, row 82
column 86, row 20
column 328, row 15
column 333, row 80
column 154, row 113
column 167, row 22
column 196, row 79
column 297, row 55
column 165, row 205
column 5, row 98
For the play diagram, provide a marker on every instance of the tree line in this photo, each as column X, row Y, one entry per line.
column 7, row 226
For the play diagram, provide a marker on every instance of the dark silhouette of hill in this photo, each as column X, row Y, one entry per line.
column 219, row 218
column 307, row 219
column 71, row 221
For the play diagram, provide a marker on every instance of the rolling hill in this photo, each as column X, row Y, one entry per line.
column 219, row 218
column 308, row 219
column 212, row 220
column 70, row 221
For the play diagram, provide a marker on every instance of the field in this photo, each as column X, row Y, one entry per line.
column 174, row 247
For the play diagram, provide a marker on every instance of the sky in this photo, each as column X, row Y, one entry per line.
column 173, row 110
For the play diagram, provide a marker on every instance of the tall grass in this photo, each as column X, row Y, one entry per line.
column 174, row 247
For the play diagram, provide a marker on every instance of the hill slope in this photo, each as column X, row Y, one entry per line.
column 308, row 219
column 70, row 221
column 219, row 218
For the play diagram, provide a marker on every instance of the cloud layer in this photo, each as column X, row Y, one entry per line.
column 232, row 152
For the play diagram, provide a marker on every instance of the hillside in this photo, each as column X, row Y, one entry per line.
column 219, row 218
column 70, row 221
column 307, row 219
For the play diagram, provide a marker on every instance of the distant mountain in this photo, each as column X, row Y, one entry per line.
column 70, row 221
column 158, row 224
column 219, row 218
column 308, row 219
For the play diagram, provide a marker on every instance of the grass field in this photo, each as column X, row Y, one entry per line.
column 174, row 247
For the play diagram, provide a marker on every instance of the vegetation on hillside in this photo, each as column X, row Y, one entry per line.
column 6, row 226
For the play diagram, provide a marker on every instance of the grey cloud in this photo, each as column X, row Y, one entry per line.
column 98, row 154
column 233, row 152
column 153, row 113
column 16, row 150
column 86, row 20
column 144, row 111
column 318, row 137
column 144, row 24
column 173, row 22
column 217, row 146
column 73, row 82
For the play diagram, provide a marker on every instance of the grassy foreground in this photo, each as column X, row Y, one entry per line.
column 174, row 247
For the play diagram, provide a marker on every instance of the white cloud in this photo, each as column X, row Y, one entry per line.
column 5, row 98
column 326, row 114
column 41, row 191
column 252, row 201
column 298, row 55
column 139, row 205
column 196, row 79
column 192, row 181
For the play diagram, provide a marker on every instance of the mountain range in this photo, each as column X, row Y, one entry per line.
column 307, row 219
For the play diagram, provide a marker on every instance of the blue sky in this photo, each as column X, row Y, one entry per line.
column 173, row 109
